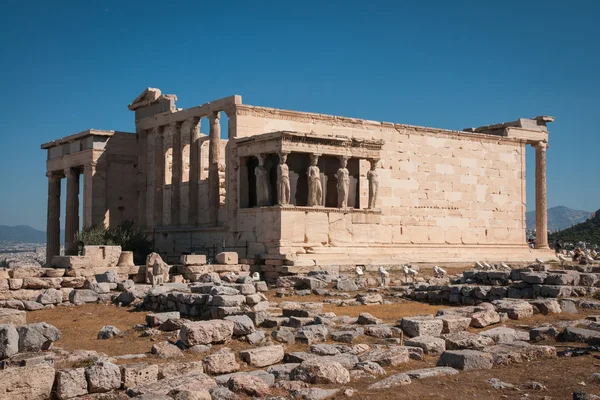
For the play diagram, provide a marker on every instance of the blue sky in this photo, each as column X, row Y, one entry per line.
column 72, row 65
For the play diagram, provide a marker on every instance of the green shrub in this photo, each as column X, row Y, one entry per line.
column 124, row 235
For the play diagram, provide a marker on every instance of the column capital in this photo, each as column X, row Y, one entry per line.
column 541, row 145
column 70, row 172
column 54, row 175
column 214, row 115
column 175, row 124
column 193, row 120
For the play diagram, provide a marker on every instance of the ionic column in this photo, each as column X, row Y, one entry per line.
column 176, row 175
column 159, row 177
column 72, row 211
column 142, row 178
column 214, row 151
column 53, row 222
column 194, row 170
column 541, row 203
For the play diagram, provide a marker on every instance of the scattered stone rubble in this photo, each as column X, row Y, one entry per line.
column 213, row 309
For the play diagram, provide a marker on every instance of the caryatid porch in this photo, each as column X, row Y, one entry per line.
column 292, row 169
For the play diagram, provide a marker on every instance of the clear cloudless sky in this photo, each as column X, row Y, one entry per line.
column 70, row 65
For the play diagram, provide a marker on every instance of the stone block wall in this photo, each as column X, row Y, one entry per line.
column 437, row 187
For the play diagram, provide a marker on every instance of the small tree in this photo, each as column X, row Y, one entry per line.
column 124, row 235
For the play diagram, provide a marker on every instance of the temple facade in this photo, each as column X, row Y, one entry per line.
column 300, row 189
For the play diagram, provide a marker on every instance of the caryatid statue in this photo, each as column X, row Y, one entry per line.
column 283, row 180
column 315, row 188
column 262, row 183
column 343, row 183
column 373, row 183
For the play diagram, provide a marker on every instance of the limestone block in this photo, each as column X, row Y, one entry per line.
column 243, row 325
column 156, row 319
column 500, row 334
column 72, row 262
column 205, row 332
column 320, row 372
column 193, row 259
column 103, row 376
column 482, row 319
column 17, row 383
column 396, row 380
column 263, row 356
column 429, row 344
column 227, row 258
column 466, row 340
column 133, row 375
column 454, row 323
column 9, row 341
column 71, row 383
column 466, row 360
column 420, row 325
column 10, row 316
column 547, row 306
column 25, row 271
column 516, row 309
column 103, row 256
column 221, row 362
column 36, row 337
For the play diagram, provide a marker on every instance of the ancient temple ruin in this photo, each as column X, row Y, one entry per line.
column 295, row 189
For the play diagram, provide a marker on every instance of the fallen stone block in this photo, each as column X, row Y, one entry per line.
column 17, row 383
column 221, row 362
column 392, row 381
column 431, row 372
column 103, row 376
column 156, row 319
column 420, row 325
column 320, row 372
column 227, row 258
column 249, row 385
column 9, row 341
column 36, row 337
column 573, row 334
column 195, row 381
column 547, row 306
column 387, row 356
column 482, row 319
column 500, row 334
column 518, row 352
column 10, row 316
column 71, row 383
column 263, row 356
column 429, row 344
column 193, row 259
column 133, row 375
column 454, row 323
column 206, row 332
column 543, row 333
column 466, row 359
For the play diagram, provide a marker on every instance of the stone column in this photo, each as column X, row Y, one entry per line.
column 159, row 177
column 194, row 170
column 53, row 223
column 72, row 210
column 541, row 203
column 176, row 175
column 214, row 151
column 142, row 139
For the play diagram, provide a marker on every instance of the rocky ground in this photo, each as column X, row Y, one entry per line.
column 304, row 338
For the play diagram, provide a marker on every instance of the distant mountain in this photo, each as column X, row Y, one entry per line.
column 21, row 233
column 587, row 231
column 559, row 217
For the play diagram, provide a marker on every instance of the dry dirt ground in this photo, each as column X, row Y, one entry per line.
column 562, row 376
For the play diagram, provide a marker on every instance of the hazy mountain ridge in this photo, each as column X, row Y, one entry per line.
column 21, row 233
column 559, row 217
column 587, row 231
